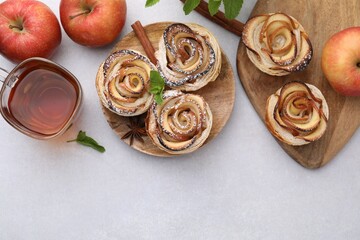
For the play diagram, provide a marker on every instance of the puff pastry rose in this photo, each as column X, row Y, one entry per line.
column 181, row 124
column 297, row 113
column 189, row 57
column 277, row 44
column 123, row 81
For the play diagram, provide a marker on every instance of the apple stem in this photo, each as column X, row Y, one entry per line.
column 14, row 26
column 358, row 64
column 81, row 13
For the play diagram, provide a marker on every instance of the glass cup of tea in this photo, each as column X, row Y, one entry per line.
column 40, row 98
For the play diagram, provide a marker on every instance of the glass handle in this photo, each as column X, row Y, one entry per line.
column 3, row 74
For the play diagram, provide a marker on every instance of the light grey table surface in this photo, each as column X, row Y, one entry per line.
column 241, row 185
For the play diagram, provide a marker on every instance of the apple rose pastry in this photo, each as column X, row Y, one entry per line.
column 123, row 81
column 277, row 44
column 297, row 113
column 181, row 124
column 189, row 57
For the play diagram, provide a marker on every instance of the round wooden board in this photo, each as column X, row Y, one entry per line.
column 220, row 94
column 321, row 19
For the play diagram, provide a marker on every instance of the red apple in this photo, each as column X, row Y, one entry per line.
column 93, row 23
column 28, row 28
column 341, row 61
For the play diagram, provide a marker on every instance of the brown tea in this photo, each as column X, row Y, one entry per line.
column 43, row 100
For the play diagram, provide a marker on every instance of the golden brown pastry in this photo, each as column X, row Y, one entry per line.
column 123, row 81
column 181, row 124
column 189, row 57
column 297, row 113
column 277, row 44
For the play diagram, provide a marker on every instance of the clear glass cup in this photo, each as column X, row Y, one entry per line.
column 40, row 98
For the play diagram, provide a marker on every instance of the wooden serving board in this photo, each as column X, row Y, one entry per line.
column 220, row 94
column 321, row 19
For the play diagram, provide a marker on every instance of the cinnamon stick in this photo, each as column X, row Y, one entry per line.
column 145, row 41
column 233, row 26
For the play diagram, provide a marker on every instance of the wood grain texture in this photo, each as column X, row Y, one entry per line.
column 321, row 19
column 220, row 94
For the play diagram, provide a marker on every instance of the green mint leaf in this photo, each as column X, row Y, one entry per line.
column 150, row 3
column 232, row 8
column 87, row 141
column 214, row 6
column 157, row 85
column 155, row 91
column 156, row 81
column 81, row 136
column 190, row 5
column 92, row 144
column 158, row 99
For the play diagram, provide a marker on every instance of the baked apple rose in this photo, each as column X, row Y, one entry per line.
column 181, row 124
column 277, row 44
column 297, row 113
column 189, row 57
column 123, row 81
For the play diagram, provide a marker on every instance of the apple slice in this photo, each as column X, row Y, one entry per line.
column 189, row 57
column 181, row 124
column 252, row 29
column 297, row 113
column 277, row 44
column 303, row 58
column 122, row 83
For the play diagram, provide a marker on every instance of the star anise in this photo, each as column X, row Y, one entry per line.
column 137, row 129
